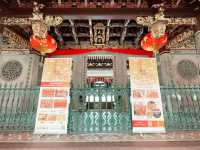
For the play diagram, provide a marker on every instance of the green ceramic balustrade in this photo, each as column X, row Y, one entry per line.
column 100, row 110
column 18, row 109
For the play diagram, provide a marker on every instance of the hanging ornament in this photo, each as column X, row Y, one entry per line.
column 157, row 37
column 40, row 40
column 150, row 43
column 45, row 45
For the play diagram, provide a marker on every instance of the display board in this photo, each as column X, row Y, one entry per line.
column 54, row 99
column 147, row 112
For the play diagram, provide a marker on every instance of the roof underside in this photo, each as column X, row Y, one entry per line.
column 118, row 16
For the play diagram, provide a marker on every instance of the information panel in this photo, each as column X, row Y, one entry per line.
column 54, row 99
column 147, row 112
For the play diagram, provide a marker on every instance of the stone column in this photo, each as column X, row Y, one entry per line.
column 78, row 78
column 197, row 35
column 1, row 35
column 121, row 77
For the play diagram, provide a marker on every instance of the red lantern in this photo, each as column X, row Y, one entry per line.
column 45, row 45
column 150, row 43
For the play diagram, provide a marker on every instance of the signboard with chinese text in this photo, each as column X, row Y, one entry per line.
column 147, row 112
column 54, row 99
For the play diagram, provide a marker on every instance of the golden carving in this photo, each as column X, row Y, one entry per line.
column 147, row 21
column 99, row 34
column 15, row 21
column 180, row 40
column 49, row 20
column 13, row 40
column 37, row 15
column 158, row 29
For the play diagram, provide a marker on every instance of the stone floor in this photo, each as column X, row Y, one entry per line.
column 167, row 141
column 150, row 145
column 169, row 136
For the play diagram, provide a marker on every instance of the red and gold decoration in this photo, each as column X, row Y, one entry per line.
column 44, row 45
column 40, row 40
column 149, row 43
column 157, row 38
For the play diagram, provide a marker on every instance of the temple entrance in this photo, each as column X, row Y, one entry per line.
column 100, row 103
column 99, row 110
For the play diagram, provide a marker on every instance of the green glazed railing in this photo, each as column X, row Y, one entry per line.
column 99, row 118
column 181, row 106
column 18, row 109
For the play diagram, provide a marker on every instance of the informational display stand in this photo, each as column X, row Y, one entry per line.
column 54, row 99
column 147, row 112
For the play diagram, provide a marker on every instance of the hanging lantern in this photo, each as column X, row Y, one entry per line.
column 150, row 43
column 45, row 45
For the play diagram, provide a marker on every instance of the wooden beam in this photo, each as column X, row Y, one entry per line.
column 60, row 38
column 59, row 2
column 178, row 2
column 138, row 3
column 85, row 3
column 73, row 31
column 139, row 34
column 100, row 13
column 4, row 5
column 112, row 2
column 108, row 31
column 91, row 31
column 18, row 2
column 124, row 32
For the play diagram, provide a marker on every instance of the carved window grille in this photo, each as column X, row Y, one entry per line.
column 187, row 69
column 11, row 70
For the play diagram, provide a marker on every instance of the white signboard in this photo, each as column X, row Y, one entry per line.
column 147, row 112
column 54, row 99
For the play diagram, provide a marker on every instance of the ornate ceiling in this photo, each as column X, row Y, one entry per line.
column 192, row 4
column 80, row 17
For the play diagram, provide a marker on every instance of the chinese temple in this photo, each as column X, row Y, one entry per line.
column 100, row 74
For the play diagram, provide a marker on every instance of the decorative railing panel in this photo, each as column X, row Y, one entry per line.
column 181, row 108
column 100, row 122
column 18, row 109
column 100, row 110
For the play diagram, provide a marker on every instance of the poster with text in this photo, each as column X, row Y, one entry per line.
column 54, row 99
column 146, row 103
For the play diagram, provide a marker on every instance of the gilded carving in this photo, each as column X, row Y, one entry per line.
column 37, row 15
column 99, row 34
column 49, row 20
column 149, row 20
column 13, row 40
column 183, row 40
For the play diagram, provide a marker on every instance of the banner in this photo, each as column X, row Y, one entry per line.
column 54, row 99
column 128, row 51
column 147, row 112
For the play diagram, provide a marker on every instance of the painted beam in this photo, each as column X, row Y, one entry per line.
column 100, row 13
